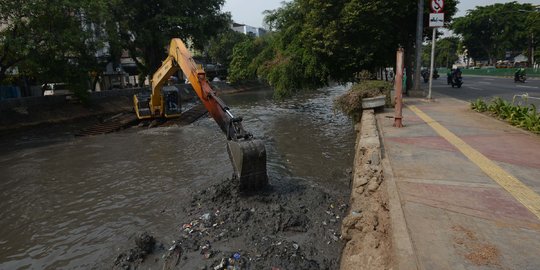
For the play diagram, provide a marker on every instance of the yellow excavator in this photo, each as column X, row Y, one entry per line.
column 247, row 155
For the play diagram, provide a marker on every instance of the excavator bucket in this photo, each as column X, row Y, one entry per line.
column 249, row 163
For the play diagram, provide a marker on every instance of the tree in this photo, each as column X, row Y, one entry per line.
column 220, row 48
column 316, row 41
column 55, row 40
column 533, row 34
column 446, row 52
column 146, row 27
column 489, row 31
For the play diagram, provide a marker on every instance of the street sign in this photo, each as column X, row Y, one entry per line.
column 437, row 6
column 436, row 19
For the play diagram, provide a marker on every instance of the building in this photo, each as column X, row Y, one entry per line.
column 248, row 30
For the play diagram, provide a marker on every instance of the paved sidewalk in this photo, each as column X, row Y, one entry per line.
column 457, row 213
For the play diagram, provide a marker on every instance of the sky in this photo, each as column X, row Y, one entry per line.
column 250, row 11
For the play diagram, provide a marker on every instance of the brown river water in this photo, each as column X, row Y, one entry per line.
column 69, row 202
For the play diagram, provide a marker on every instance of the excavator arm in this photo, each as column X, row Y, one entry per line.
column 248, row 156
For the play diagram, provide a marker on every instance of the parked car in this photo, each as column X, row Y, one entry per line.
column 55, row 89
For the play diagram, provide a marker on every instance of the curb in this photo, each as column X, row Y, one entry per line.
column 402, row 247
column 373, row 187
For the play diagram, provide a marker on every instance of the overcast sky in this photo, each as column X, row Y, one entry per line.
column 250, row 11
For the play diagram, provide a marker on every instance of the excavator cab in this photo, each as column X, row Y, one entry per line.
column 171, row 101
column 247, row 155
column 170, row 104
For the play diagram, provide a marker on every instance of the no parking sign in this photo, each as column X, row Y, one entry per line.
column 437, row 6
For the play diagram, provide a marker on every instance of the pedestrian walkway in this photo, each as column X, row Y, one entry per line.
column 468, row 186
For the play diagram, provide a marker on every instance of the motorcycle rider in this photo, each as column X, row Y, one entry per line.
column 449, row 76
column 425, row 75
column 456, row 78
column 519, row 75
column 456, row 74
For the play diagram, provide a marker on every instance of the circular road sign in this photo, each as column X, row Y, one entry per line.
column 437, row 5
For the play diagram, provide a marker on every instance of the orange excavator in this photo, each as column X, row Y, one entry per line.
column 247, row 155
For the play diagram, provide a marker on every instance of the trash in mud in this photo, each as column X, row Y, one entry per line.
column 144, row 245
column 292, row 228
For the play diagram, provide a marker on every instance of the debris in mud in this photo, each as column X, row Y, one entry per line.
column 144, row 245
column 264, row 226
column 297, row 228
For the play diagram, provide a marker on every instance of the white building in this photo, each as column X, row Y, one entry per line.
column 248, row 30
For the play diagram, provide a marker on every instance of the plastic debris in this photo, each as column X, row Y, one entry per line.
column 205, row 217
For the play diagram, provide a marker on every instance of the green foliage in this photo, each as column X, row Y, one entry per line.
column 446, row 52
column 220, row 48
column 50, row 40
column 45, row 39
column 316, row 41
column 525, row 117
column 479, row 105
column 241, row 68
column 147, row 27
column 350, row 103
column 489, row 31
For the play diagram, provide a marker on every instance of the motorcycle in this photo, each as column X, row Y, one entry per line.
column 520, row 78
column 457, row 80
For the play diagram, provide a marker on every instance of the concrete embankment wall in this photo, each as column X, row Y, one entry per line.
column 30, row 111
column 366, row 229
column 375, row 229
column 186, row 90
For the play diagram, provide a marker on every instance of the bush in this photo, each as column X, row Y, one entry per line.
column 524, row 117
column 350, row 103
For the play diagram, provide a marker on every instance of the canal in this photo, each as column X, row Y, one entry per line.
column 72, row 202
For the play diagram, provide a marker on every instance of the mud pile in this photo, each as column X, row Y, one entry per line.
column 279, row 228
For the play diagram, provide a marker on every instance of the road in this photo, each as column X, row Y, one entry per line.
column 475, row 87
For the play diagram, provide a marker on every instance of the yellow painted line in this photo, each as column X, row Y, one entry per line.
column 516, row 188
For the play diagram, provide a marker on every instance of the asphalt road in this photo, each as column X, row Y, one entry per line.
column 475, row 87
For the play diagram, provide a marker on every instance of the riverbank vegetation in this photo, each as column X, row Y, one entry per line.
column 525, row 117
column 314, row 42
column 78, row 41
column 350, row 103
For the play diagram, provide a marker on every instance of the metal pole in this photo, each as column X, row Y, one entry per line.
column 532, row 50
column 432, row 61
column 418, row 44
column 398, row 84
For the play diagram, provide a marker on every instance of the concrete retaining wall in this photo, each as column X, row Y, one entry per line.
column 366, row 229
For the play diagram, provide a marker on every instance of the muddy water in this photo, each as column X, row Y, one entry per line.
column 75, row 202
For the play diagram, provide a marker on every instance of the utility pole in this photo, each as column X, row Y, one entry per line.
column 436, row 19
column 418, row 44
column 398, row 89
column 432, row 61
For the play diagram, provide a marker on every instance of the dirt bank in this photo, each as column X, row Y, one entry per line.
column 283, row 227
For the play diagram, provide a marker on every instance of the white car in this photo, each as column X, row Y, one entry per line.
column 55, row 89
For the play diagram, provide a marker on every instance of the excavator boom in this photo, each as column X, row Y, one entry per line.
column 247, row 155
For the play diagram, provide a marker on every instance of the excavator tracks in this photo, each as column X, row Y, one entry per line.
column 189, row 116
column 113, row 124
column 122, row 121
